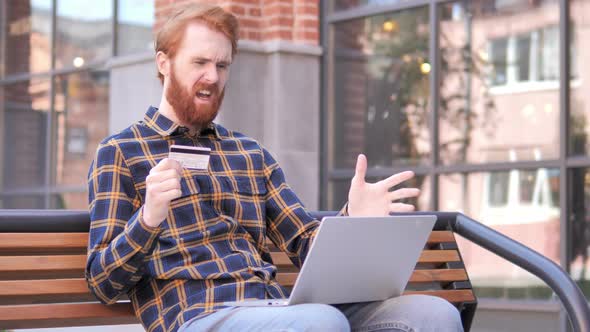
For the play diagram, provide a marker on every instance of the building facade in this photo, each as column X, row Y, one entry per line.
column 483, row 99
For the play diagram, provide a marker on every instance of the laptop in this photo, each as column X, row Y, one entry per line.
column 357, row 259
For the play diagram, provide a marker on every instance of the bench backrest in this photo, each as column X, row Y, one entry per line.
column 42, row 274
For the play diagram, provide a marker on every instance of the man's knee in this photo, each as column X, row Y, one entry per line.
column 320, row 317
column 430, row 311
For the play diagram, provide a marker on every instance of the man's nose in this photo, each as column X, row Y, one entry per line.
column 211, row 74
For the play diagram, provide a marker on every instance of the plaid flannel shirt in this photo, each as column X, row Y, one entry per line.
column 212, row 246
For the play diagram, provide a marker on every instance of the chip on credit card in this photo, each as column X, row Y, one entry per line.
column 191, row 157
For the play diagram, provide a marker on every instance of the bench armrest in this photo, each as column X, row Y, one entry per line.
column 560, row 282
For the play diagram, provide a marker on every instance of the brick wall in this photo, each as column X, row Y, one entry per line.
column 295, row 21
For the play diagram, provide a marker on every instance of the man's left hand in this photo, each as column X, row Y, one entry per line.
column 375, row 199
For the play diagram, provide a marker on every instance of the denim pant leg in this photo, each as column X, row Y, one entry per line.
column 301, row 317
column 416, row 313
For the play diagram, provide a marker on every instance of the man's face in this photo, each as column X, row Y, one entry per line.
column 198, row 73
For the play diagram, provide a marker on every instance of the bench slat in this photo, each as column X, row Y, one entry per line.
column 42, row 263
column 43, row 241
column 43, row 287
column 440, row 237
column 78, row 286
column 66, row 263
column 439, row 256
column 42, row 315
column 442, row 275
column 453, row 296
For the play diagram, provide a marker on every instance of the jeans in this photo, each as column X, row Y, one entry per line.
column 405, row 313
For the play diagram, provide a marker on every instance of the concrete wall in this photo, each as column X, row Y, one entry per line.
column 514, row 315
column 272, row 95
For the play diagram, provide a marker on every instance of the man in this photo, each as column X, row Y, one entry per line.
column 181, row 242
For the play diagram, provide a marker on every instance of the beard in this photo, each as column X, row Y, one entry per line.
column 182, row 101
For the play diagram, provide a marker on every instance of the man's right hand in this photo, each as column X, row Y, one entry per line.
column 162, row 186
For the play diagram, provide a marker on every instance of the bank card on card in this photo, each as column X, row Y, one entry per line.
column 191, row 157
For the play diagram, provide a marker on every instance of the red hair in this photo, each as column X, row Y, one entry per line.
column 171, row 34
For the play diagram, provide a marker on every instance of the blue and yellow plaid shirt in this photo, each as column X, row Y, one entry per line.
column 212, row 247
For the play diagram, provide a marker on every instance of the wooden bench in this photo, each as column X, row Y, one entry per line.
column 43, row 256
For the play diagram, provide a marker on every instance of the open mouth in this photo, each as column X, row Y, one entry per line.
column 204, row 94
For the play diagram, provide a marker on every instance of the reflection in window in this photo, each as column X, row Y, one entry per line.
column 69, row 200
column 548, row 51
column 23, row 128
column 338, row 192
column 28, row 36
column 527, row 185
column 80, row 123
column 523, row 189
column 22, row 202
column 524, row 214
column 579, row 122
column 498, row 188
column 527, row 57
column 348, row 4
column 134, row 26
column 523, row 54
column 579, row 225
column 499, row 53
column 84, row 32
column 381, row 90
column 499, row 91
column 77, row 141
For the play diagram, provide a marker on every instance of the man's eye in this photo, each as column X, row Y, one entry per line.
column 221, row 66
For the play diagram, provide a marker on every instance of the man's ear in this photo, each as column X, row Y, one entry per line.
column 163, row 62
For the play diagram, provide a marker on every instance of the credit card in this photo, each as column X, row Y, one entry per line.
column 191, row 157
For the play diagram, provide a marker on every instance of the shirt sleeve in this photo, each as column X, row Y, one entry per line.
column 119, row 243
column 289, row 225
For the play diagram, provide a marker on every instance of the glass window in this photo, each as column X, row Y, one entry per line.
column 24, row 109
column 530, row 219
column 134, row 26
column 69, row 200
column 579, row 128
column 348, row 4
column 84, row 32
column 498, row 53
column 22, row 201
column 527, row 181
column 27, row 36
column 380, row 84
column 579, row 227
column 548, row 53
column 338, row 192
column 81, row 122
column 498, row 187
column 499, row 90
column 523, row 55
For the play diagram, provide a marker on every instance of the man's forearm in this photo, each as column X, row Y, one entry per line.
column 113, row 269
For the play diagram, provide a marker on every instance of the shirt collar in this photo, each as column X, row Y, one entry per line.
column 165, row 127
